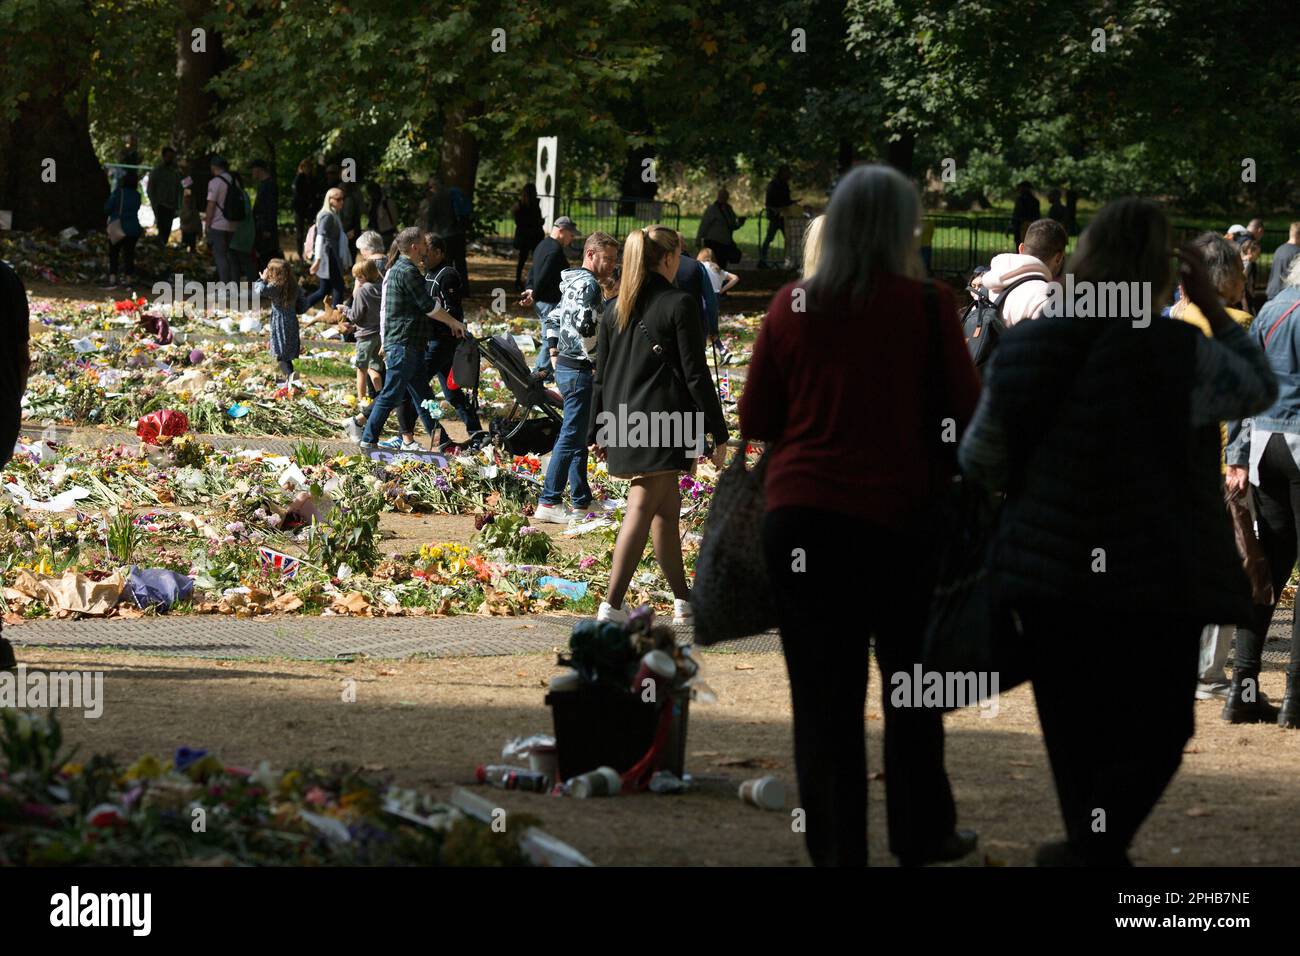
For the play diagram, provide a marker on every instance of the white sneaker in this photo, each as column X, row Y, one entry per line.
column 682, row 613
column 615, row 615
column 412, row 446
column 552, row 514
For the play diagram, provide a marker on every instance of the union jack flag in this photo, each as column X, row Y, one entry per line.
column 286, row 564
column 724, row 384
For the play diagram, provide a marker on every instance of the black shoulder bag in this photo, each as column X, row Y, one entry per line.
column 967, row 632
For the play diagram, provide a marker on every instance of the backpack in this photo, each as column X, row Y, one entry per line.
column 982, row 324
column 237, row 213
column 440, row 294
column 309, row 244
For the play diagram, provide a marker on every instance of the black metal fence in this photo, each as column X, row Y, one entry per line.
column 494, row 218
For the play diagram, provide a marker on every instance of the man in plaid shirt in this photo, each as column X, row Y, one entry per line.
column 405, row 331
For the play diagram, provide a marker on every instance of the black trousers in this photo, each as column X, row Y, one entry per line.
column 857, row 580
column 125, row 251
column 775, row 224
column 1111, row 758
column 1277, row 504
column 724, row 253
column 163, row 217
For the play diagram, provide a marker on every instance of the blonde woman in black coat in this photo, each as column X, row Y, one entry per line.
column 655, row 406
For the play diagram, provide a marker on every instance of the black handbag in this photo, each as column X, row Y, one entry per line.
column 731, row 597
column 967, row 630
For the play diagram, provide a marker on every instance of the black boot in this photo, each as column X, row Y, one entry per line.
column 956, row 845
column 1245, row 701
column 8, row 661
column 1289, row 714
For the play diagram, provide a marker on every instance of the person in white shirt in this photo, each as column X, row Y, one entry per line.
column 1024, row 277
column 723, row 281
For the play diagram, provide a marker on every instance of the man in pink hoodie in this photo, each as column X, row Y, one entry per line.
column 1024, row 276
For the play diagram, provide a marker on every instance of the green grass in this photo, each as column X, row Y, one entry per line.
column 324, row 368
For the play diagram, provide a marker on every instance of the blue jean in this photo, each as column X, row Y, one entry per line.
column 332, row 284
column 569, row 457
column 406, row 375
column 219, row 243
column 438, row 358
column 543, row 354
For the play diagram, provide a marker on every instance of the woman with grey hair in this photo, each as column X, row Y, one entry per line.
column 1264, row 459
column 1103, row 432
column 855, row 459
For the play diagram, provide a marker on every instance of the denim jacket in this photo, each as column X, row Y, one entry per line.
column 1280, row 316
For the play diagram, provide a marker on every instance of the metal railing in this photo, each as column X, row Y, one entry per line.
column 493, row 219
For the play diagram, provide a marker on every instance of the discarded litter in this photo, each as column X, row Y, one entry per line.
column 513, row 778
column 766, row 793
column 158, row 588
column 601, row 782
column 571, row 590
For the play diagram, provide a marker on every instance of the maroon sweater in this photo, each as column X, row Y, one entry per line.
column 842, row 394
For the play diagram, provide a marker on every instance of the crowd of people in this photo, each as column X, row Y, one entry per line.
column 1122, row 455
column 1102, row 440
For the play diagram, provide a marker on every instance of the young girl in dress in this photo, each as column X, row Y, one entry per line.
column 287, row 303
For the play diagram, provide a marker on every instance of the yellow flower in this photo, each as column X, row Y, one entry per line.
column 146, row 768
column 290, row 781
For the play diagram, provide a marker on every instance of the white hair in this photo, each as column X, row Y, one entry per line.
column 871, row 228
column 370, row 241
column 1293, row 273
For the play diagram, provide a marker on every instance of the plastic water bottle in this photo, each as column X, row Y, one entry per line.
column 505, row 777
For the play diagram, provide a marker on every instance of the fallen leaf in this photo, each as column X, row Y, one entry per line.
column 762, row 763
column 287, row 603
column 744, row 667
column 1198, row 812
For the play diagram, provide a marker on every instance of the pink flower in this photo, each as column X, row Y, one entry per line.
column 316, row 797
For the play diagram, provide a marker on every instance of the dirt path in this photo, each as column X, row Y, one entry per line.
column 429, row 723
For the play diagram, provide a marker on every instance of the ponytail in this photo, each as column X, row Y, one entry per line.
column 643, row 250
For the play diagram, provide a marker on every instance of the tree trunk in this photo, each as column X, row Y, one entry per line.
column 193, row 132
column 47, row 129
column 634, row 186
column 846, row 154
column 460, row 148
column 900, row 153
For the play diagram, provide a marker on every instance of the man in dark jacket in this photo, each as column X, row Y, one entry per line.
column 1027, row 210
column 15, row 362
column 775, row 203
column 543, row 291
column 165, row 193
column 1282, row 261
column 266, row 214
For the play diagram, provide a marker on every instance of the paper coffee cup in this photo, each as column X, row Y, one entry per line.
column 767, row 793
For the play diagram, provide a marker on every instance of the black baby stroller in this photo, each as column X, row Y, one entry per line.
column 532, row 423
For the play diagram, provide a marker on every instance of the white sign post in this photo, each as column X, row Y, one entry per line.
column 548, row 177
